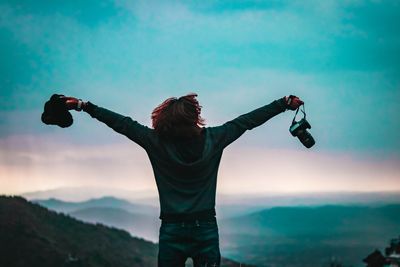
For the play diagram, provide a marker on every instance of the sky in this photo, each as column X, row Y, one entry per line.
column 341, row 57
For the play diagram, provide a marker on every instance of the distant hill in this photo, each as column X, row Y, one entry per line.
column 82, row 193
column 31, row 235
column 263, row 200
column 104, row 202
column 140, row 225
column 140, row 220
column 309, row 236
column 299, row 221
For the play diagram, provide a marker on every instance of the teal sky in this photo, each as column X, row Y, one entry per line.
column 341, row 57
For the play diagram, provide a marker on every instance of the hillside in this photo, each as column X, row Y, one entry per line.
column 309, row 236
column 104, row 202
column 141, row 225
column 31, row 235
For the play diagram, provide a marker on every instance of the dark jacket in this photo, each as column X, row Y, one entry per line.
column 186, row 170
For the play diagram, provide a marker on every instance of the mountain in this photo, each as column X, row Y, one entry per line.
column 31, row 235
column 141, row 225
column 269, row 200
column 309, row 236
column 103, row 202
column 263, row 200
column 82, row 193
column 139, row 219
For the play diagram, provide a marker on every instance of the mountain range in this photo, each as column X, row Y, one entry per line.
column 103, row 202
column 263, row 200
column 277, row 236
column 309, row 236
column 139, row 219
column 32, row 235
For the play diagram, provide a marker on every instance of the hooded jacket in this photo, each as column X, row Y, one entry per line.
column 186, row 170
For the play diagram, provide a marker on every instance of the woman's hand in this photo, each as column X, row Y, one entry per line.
column 293, row 102
column 73, row 103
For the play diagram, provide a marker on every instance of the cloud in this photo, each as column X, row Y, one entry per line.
column 144, row 41
column 30, row 163
column 39, row 163
column 252, row 170
column 347, row 111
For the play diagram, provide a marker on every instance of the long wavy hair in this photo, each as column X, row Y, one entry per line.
column 178, row 117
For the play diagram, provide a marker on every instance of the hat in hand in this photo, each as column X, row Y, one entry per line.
column 56, row 112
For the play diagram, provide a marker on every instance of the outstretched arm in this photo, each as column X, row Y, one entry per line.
column 233, row 129
column 119, row 123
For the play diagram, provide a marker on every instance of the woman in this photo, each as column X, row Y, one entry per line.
column 185, row 157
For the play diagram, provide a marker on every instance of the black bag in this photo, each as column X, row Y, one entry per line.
column 56, row 113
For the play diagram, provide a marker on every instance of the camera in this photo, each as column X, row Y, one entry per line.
column 299, row 129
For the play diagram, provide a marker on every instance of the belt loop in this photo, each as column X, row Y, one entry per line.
column 197, row 223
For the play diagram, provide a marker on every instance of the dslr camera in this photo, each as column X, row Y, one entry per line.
column 299, row 129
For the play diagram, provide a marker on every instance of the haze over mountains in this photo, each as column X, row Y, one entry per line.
column 309, row 236
column 267, row 236
column 140, row 220
column 267, row 199
column 104, row 202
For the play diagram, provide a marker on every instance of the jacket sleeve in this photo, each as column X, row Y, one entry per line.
column 232, row 130
column 121, row 124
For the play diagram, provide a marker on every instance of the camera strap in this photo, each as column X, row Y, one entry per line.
column 303, row 110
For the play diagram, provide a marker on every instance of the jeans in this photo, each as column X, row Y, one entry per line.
column 198, row 240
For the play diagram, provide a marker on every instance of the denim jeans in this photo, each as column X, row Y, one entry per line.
column 198, row 240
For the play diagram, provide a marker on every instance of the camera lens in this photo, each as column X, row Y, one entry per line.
column 305, row 138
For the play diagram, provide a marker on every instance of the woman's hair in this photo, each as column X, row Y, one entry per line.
column 178, row 117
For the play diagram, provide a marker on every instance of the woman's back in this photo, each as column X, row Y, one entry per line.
column 185, row 159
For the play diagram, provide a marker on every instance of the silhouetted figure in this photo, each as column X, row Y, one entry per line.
column 185, row 157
